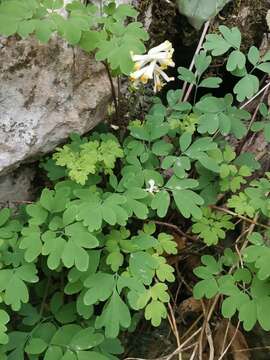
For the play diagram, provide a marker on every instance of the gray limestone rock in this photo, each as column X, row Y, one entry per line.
column 47, row 91
column 16, row 188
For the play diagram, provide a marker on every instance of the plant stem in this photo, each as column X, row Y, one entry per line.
column 44, row 297
column 112, row 89
column 118, row 89
column 176, row 228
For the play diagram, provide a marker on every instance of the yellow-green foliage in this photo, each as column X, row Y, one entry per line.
column 88, row 158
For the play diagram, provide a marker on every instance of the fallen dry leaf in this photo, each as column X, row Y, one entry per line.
column 239, row 342
column 190, row 305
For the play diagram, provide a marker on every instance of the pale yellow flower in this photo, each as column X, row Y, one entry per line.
column 152, row 66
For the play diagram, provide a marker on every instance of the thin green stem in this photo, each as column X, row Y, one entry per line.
column 44, row 297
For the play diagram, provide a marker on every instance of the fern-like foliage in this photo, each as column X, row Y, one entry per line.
column 82, row 158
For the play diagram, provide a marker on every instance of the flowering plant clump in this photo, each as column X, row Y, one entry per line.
column 152, row 66
column 95, row 253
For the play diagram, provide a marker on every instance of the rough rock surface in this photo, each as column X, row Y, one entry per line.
column 46, row 92
column 16, row 188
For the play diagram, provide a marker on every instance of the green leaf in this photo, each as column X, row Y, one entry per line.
column 12, row 282
column 186, row 75
column 262, row 309
column 202, row 62
column 86, row 339
column 212, row 226
column 124, row 10
column 233, row 35
column 31, row 242
column 54, row 201
column 248, row 314
column 53, row 353
column 80, row 235
column 256, row 239
column 4, row 319
column 134, row 206
column 207, row 288
column 155, row 311
column 246, row 87
column 241, row 204
column 4, row 216
column 212, row 266
column 187, row 201
column 71, row 31
column 117, row 50
column 265, row 67
column 167, row 244
column 259, row 255
column 162, row 148
column 35, row 346
column 25, row 28
column 181, row 184
column 54, row 247
column 144, row 241
column 71, row 251
column 44, row 30
column 236, row 60
column 65, row 334
column 198, row 12
column 242, row 274
column 90, row 212
column 69, row 355
column 180, row 165
column 211, row 104
column 247, row 159
column 115, row 260
column 115, row 314
column 38, row 214
column 8, row 25
column 86, row 355
column 97, row 292
column 211, row 82
column 165, row 272
column 161, row 202
column 185, row 141
column 174, row 97
column 253, row 55
column 90, row 39
column 200, row 146
column 216, row 44
column 142, row 266
column 233, row 303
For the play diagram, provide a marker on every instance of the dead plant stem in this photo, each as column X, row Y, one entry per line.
column 204, row 32
column 219, row 208
column 230, row 343
column 175, row 330
column 254, row 97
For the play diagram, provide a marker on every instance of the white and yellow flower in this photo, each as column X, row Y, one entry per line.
column 152, row 66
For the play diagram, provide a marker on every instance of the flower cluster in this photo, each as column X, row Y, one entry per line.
column 152, row 187
column 61, row 11
column 152, row 66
